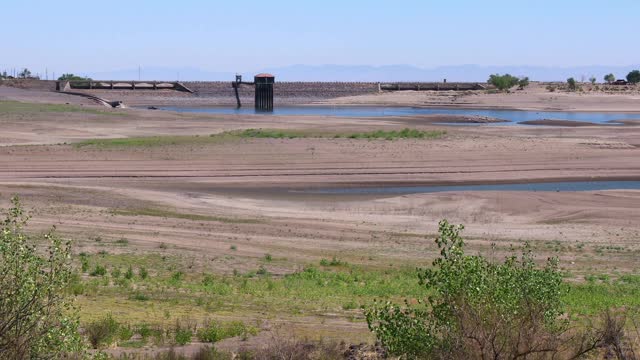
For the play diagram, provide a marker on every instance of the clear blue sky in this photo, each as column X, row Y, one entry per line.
column 240, row 35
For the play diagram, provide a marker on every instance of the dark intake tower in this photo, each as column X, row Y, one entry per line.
column 264, row 91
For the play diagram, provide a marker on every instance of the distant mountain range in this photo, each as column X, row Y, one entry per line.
column 365, row 73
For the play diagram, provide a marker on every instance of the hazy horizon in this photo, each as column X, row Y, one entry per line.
column 365, row 73
column 329, row 72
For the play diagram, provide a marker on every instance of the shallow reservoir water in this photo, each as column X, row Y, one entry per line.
column 513, row 116
column 546, row 186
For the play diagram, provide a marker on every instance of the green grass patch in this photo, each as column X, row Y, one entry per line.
column 177, row 215
column 152, row 141
column 215, row 331
column 595, row 297
column 173, row 288
column 16, row 107
column 274, row 134
column 401, row 134
column 379, row 134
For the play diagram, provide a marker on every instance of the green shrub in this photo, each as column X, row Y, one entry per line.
column 216, row 331
column 125, row 333
column 140, row 297
column 333, row 262
column 102, row 332
column 177, row 276
column 268, row 257
column 143, row 273
column 572, row 84
column 84, row 263
column 115, row 273
column 129, row 273
column 37, row 318
column 504, row 82
column 98, row 270
column 76, row 286
column 144, row 330
column 523, row 82
column 633, row 77
column 183, row 336
column 262, row 271
column 208, row 280
column 473, row 301
column 351, row 305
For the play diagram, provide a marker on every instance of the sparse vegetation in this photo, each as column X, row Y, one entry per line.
column 129, row 273
column 380, row 134
column 255, row 133
column 151, row 141
column 15, row 107
column 177, row 215
column 215, row 331
column 143, row 273
column 183, row 336
column 25, row 74
column 98, row 270
column 342, row 287
column 333, row 262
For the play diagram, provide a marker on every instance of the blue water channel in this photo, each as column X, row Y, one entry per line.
column 513, row 116
column 546, row 186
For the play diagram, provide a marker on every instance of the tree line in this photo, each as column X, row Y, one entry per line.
column 508, row 81
column 27, row 74
column 633, row 77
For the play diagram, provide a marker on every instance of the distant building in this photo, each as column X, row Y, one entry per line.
column 620, row 82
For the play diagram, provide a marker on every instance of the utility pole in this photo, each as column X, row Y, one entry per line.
column 46, row 73
column 139, row 69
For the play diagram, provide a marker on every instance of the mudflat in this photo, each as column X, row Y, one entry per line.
column 201, row 172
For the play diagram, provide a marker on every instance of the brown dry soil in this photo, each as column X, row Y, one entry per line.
column 248, row 191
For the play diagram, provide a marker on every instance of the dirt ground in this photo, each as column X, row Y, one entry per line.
column 258, row 178
column 77, row 188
